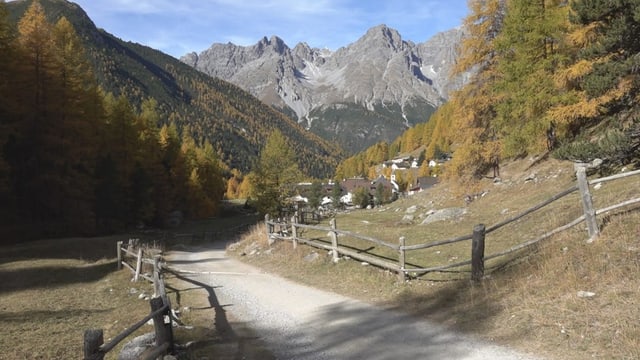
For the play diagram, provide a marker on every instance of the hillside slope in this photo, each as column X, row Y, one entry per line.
column 230, row 118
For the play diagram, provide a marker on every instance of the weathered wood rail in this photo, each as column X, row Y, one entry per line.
column 94, row 347
column 288, row 230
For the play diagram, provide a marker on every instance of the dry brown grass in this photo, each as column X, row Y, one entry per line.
column 52, row 290
column 529, row 302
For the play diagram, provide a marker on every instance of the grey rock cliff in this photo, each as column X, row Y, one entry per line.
column 389, row 82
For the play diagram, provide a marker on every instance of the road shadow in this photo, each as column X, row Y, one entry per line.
column 350, row 330
column 227, row 340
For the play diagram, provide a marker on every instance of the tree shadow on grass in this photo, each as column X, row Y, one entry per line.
column 52, row 276
column 87, row 249
column 35, row 315
column 463, row 305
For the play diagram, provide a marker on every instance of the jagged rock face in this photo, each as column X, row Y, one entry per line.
column 395, row 83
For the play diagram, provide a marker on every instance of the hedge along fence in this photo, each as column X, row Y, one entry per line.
column 94, row 347
column 289, row 231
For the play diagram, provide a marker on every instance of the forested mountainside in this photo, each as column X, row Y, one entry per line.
column 97, row 135
column 235, row 122
column 551, row 75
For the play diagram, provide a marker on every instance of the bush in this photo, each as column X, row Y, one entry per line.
column 615, row 146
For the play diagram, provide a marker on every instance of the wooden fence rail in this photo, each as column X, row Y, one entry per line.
column 94, row 347
column 289, row 231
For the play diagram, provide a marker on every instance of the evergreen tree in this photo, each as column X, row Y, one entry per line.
column 336, row 194
column 472, row 109
column 8, row 59
column 382, row 195
column 315, row 195
column 8, row 117
column 275, row 175
column 531, row 46
column 603, row 78
column 171, row 192
column 361, row 197
column 208, row 181
column 233, row 185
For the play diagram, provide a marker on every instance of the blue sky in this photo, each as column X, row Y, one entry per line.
column 177, row 27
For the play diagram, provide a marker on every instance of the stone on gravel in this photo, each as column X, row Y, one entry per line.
column 133, row 349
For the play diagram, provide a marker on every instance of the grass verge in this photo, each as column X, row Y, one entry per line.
column 52, row 290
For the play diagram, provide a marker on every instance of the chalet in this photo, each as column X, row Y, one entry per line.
column 349, row 187
column 422, row 183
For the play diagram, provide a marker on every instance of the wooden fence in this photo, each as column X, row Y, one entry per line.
column 289, row 231
column 94, row 347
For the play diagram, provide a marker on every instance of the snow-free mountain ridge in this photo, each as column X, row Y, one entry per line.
column 362, row 93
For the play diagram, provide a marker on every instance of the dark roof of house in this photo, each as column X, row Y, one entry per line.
column 350, row 185
column 425, row 182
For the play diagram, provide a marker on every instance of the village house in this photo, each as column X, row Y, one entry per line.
column 422, row 183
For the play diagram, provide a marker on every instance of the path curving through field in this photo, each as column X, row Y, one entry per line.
column 299, row 322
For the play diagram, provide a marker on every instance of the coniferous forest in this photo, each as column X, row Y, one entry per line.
column 99, row 135
column 551, row 76
column 77, row 160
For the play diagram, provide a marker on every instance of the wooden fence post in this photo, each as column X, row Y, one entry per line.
column 163, row 331
column 334, row 241
column 401, row 259
column 477, row 252
column 268, row 226
column 587, row 203
column 138, row 265
column 294, row 231
column 119, row 252
column 93, row 338
column 156, row 277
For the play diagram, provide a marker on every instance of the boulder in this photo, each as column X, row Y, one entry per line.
column 444, row 214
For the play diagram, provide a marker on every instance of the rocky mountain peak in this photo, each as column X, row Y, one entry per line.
column 380, row 76
column 274, row 44
column 384, row 35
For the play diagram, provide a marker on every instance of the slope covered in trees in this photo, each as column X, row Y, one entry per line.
column 234, row 122
column 77, row 161
column 550, row 75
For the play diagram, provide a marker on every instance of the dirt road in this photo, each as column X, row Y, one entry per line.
column 300, row 322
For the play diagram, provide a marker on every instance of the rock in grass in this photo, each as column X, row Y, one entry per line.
column 445, row 215
column 311, row 256
column 586, row 294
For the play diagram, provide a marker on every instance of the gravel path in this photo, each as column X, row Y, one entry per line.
column 300, row 322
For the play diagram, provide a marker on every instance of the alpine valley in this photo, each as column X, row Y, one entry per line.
column 327, row 104
column 358, row 95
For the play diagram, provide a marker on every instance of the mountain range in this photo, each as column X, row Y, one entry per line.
column 362, row 93
column 327, row 104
